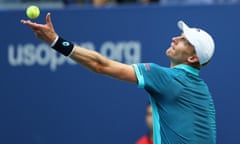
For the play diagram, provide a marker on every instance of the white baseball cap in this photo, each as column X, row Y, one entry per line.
column 201, row 40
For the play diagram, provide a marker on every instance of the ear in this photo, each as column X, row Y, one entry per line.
column 193, row 59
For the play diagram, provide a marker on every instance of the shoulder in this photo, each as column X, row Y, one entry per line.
column 149, row 66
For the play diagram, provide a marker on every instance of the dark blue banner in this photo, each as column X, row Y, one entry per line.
column 46, row 98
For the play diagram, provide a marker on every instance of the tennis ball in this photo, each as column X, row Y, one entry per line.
column 32, row 12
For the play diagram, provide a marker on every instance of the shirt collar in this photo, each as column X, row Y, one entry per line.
column 188, row 69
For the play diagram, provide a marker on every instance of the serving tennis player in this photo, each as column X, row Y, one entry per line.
column 182, row 105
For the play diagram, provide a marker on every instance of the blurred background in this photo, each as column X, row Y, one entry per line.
column 46, row 98
column 98, row 3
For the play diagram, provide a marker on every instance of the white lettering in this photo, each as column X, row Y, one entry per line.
column 127, row 52
column 29, row 54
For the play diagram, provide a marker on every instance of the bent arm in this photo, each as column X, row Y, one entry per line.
column 102, row 65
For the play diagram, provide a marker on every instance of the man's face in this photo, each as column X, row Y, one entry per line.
column 180, row 50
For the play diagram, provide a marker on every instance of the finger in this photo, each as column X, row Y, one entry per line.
column 30, row 23
column 24, row 21
column 48, row 20
column 27, row 22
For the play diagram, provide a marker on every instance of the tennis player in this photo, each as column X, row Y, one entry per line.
column 182, row 105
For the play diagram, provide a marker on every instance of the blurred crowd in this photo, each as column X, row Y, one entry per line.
column 99, row 3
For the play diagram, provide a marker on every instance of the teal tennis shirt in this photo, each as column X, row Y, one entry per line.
column 183, row 108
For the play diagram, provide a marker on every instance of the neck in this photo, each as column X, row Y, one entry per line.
column 172, row 64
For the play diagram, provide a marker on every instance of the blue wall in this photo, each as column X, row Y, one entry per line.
column 48, row 99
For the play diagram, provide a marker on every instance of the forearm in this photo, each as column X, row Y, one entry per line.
column 85, row 57
column 95, row 61
column 100, row 64
column 89, row 58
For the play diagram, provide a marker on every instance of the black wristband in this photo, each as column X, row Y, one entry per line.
column 63, row 46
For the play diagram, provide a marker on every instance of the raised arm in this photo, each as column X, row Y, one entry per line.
column 85, row 57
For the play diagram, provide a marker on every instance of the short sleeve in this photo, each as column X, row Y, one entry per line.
column 152, row 77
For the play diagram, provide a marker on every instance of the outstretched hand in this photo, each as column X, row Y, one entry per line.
column 44, row 32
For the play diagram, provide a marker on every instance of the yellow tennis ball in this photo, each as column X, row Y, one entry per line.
column 33, row 12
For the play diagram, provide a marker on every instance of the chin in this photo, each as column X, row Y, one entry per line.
column 168, row 52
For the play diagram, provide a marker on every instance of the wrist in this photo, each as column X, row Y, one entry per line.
column 54, row 42
column 62, row 46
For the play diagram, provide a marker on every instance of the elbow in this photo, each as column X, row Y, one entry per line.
column 99, row 69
